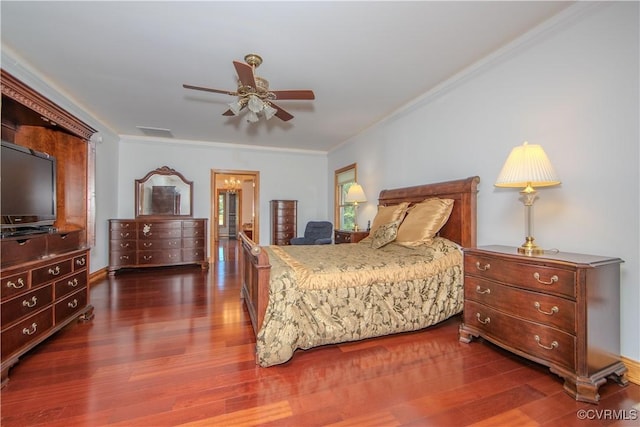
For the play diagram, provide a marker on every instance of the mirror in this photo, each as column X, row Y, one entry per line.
column 164, row 192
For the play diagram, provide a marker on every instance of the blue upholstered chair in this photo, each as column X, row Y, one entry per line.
column 315, row 233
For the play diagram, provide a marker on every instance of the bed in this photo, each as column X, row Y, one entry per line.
column 299, row 297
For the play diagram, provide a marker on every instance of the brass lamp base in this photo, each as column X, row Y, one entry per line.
column 356, row 228
column 530, row 248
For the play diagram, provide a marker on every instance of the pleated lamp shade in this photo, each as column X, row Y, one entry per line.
column 527, row 165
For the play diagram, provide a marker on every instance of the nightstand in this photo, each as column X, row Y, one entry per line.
column 349, row 236
column 561, row 310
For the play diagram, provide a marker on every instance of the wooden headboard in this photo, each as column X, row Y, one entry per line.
column 461, row 226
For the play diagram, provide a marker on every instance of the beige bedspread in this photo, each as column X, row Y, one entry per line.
column 337, row 293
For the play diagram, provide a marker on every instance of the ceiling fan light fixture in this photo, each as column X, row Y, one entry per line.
column 235, row 107
column 252, row 117
column 255, row 104
column 269, row 111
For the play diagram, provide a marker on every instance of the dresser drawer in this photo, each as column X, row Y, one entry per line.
column 122, row 245
column 119, row 258
column 284, row 236
column 80, row 262
column 538, row 307
column 51, row 272
column 156, row 244
column 539, row 341
column 159, row 233
column 285, row 215
column 25, row 305
column 60, row 243
column 288, row 227
column 16, row 250
column 14, row 284
column 169, row 256
column 66, row 307
column 193, row 232
column 127, row 235
column 340, row 237
column 193, row 243
column 193, row 255
column 122, row 225
column 70, row 284
column 551, row 280
column 25, row 331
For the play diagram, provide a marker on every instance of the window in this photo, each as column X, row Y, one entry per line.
column 221, row 208
column 344, row 212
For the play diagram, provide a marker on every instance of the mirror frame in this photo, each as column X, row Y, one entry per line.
column 164, row 171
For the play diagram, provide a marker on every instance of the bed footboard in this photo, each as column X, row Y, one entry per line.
column 255, row 270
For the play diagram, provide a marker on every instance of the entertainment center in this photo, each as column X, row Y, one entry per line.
column 47, row 220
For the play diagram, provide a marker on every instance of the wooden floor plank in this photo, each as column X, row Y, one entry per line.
column 174, row 346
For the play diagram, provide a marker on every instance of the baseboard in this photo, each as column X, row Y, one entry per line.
column 633, row 373
column 98, row 275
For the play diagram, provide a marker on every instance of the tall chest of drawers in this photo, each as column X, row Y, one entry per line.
column 135, row 243
column 41, row 293
column 560, row 310
column 284, row 214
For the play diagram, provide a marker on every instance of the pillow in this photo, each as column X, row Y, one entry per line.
column 385, row 215
column 385, row 234
column 423, row 221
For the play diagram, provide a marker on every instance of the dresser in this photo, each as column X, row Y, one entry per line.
column 147, row 242
column 347, row 236
column 284, row 214
column 44, row 287
column 560, row 310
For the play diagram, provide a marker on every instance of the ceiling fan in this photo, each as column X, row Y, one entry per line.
column 253, row 93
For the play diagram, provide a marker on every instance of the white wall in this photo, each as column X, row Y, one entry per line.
column 106, row 197
column 571, row 86
column 284, row 174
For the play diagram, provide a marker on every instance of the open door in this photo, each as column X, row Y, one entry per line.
column 234, row 205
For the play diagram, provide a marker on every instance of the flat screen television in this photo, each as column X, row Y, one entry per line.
column 28, row 190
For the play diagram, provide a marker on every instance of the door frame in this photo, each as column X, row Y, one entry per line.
column 242, row 174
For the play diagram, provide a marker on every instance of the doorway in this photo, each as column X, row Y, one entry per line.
column 234, row 206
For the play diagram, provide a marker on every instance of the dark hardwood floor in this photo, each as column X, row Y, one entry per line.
column 175, row 346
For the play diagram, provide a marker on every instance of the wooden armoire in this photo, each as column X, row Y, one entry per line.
column 45, row 277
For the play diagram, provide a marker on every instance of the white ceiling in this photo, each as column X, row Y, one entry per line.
column 125, row 62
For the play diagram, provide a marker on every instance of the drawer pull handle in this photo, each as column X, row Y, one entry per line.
column 553, row 279
column 481, row 291
column 554, row 309
column 30, row 303
column 124, row 234
column 485, row 321
column 147, row 245
column 73, row 283
column 482, row 267
column 55, row 271
column 124, row 257
column 32, row 330
column 81, row 262
column 553, row 345
column 72, row 304
column 147, row 257
column 124, row 245
column 15, row 285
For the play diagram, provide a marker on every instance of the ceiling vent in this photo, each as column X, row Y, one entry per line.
column 156, row 132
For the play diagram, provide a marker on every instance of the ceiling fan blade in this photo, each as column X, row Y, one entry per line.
column 207, row 89
column 281, row 114
column 245, row 74
column 294, row 94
